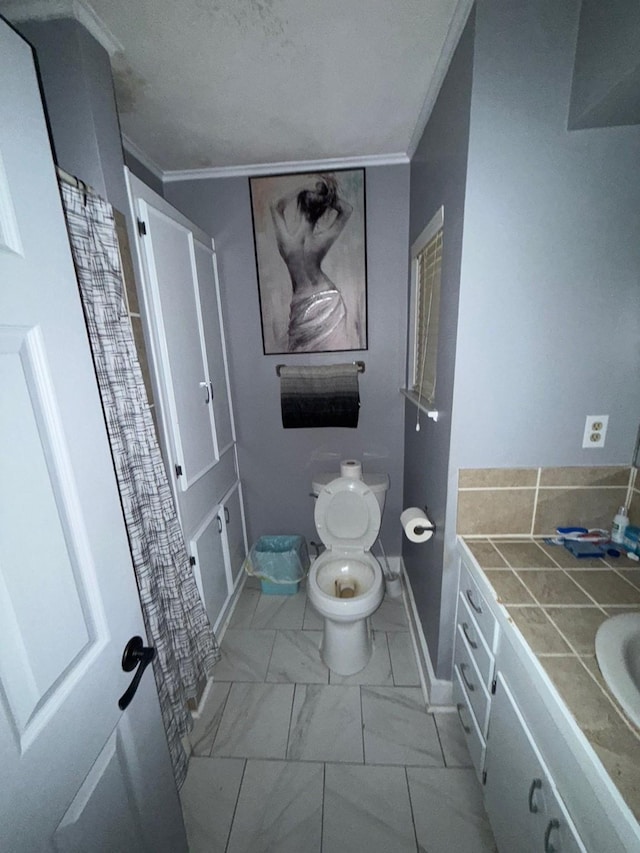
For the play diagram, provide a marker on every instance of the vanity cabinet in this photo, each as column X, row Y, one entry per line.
column 545, row 790
column 474, row 664
column 184, row 336
column 524, row 808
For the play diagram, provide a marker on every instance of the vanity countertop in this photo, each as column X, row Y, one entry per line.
column 557, row 602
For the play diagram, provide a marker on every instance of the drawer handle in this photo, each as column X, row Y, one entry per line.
column 476, row 607
column 465, row 728
column 536, row 784
column 554, row 823
column 469, row 685
column 470, row 640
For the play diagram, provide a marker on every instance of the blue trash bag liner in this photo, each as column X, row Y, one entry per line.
column 280, row 562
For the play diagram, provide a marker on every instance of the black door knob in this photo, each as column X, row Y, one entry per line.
column 135, row 654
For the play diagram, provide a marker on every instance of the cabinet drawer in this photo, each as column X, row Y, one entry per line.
column 475, row 741
column 476, row 691
column 476, row 642
column 482, row 614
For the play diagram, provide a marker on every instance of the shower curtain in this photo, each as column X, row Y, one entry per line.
column 175, row 619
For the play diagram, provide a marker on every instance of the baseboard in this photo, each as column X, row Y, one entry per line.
column 438, row 693
column 197, row 711
column 394, row 564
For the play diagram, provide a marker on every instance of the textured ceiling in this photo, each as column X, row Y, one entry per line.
column 230, row 83
column 218, row 83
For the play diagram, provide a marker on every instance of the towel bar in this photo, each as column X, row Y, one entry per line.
column 359, row 364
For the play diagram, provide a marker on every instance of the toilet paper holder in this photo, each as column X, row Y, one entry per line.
column 424, row 527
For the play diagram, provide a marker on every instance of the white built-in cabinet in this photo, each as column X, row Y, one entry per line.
column 527, row 813
column 474, row 665
column 543, row 787
column 184, row 333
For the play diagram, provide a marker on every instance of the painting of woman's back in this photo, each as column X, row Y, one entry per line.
column 311, row 259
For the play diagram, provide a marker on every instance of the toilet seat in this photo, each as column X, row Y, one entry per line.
column 347, row 515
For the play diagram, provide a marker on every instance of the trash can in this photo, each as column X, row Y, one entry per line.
column 280, row 562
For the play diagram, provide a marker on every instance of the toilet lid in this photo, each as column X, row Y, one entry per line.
column 347, row 515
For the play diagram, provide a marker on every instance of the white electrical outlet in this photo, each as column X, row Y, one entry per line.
column 595, row 430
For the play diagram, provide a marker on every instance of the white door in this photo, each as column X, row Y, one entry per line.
column 77, row 773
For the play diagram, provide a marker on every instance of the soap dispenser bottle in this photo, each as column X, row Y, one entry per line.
column 619, row 525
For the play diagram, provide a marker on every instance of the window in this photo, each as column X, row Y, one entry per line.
column 426, row 266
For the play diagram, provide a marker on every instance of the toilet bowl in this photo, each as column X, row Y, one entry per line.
column 345, row 583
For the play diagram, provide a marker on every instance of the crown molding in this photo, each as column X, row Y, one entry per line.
column 291, row 167
column 457, row 25
column 47, row 10
column 142, row 158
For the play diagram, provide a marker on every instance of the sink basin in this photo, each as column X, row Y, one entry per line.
column 618, row 654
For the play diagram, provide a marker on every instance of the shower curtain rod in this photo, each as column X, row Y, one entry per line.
column 75, row 182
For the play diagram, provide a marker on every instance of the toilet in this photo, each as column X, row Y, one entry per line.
column 345, row 583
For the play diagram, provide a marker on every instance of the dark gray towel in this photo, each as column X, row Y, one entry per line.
column 325, row 396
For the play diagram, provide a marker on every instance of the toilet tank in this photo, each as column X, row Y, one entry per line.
column 378, row 483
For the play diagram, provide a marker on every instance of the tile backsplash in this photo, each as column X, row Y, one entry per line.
column 534, row 501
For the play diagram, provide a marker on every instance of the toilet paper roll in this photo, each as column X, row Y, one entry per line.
column 351, row 468
column 414, row 522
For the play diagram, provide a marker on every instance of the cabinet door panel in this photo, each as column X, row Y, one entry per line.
column 168, row 248
column 214, row 342
column 513, row 798
column 235, row 533
column 207, row 547
column 523, row 805
column 560, row 834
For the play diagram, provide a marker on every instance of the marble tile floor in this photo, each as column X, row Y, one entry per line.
column 287, row 756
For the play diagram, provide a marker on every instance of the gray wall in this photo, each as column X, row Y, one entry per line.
column 438, row 175
column 549, row 327
column 146, row 175
column 75, row 73
column 549, row 310
column 277, row 465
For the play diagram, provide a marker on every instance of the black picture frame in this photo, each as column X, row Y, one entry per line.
column 311, row 260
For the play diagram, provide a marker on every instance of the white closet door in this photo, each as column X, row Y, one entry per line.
column 214, row 341
column 169, row 254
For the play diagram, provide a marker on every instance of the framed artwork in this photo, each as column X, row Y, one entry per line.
column 310, row 244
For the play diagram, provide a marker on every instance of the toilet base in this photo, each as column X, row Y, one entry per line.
column 346, row 646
